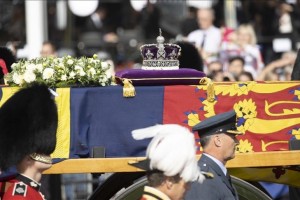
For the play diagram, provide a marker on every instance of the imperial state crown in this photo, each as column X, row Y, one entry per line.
column 160, row 56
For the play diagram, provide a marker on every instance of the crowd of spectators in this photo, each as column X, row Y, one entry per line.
column 246, row 50
column 242, row 53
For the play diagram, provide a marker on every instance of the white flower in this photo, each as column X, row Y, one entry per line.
column 48, row 73
column 72, row 75
column 104, row 79
column 29, row 76
column 70, row 62
column 39, row 67
column 31, row 67
column 61, row 66
column 82, row 73
column 55, row 59
column 64, row 77
column 78, row 68
column 105, row 65
column 18, row 79
column 91, row 72
column 13, row 65
column 56, row 71
column 109, row 73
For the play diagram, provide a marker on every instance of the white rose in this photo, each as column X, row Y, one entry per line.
column 56, row 60
column 104, row 65
column 13, row 65
column 29, row 76
column 18, row 79
column 39, row 67
column 48, row 73
column 70, row 62
column 91, row 72
column 61, row 66
column 72, row 74
column 64, row 77
column 104, row 79
column 109, row 73
column 78, row 68
column 82, row 73
column 31, row 67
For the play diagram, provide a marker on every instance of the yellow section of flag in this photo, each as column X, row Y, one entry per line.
column 7, row 92
column 62, row 149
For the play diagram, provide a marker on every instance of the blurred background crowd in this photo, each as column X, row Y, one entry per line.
column 236, row 40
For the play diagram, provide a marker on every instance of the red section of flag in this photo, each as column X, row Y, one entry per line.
column 180, row 101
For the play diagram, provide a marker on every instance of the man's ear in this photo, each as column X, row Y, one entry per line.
column 217, row 140
column 169, row 183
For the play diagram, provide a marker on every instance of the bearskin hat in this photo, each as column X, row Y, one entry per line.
column 28, row 122
column 7, row 58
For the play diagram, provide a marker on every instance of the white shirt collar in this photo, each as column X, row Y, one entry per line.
column 219, row 163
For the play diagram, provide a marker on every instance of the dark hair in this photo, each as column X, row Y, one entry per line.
column 248, row 74
column 157, row 177
column 236, row 58
column 204, row 140
column 190, row 57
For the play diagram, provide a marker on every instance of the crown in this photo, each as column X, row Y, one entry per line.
column 160, row 56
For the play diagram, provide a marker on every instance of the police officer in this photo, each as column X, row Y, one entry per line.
column 28, row 122
column 218, row 139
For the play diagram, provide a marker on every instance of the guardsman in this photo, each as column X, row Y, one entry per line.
column 28, row 122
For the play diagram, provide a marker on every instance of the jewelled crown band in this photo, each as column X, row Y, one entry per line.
column 160, row 56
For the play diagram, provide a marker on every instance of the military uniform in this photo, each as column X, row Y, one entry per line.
column 20, row 188
column 217, row 188
column 220, row 187
column 151, row 193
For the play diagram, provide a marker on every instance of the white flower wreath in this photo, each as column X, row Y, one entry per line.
column 60, row 72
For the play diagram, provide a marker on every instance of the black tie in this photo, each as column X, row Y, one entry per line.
column 203, row 40
column 229, row 179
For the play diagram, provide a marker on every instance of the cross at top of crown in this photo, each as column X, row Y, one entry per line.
column 160, row 39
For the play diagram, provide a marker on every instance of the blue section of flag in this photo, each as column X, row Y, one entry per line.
column 102, row 117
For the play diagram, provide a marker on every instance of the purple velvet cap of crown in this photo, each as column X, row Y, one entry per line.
column 149, row 51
